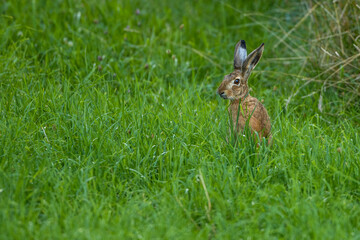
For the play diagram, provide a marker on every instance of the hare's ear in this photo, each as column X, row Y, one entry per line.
column 240, row 54
column 252, row 60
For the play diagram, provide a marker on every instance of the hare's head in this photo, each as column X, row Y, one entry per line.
column 234, row 86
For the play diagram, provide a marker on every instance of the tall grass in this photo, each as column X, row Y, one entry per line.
column 110, row 127
column 336, row 49
column 322, row 37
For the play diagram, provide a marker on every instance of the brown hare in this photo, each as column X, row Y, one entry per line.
column 245, row 108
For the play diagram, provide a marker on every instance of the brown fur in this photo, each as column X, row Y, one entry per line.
column 250, row 108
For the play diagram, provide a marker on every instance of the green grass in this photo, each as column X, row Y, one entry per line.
column 133, row 146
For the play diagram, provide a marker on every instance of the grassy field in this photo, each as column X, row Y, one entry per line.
column 110, row 127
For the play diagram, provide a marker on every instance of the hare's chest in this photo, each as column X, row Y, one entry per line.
column 239, row 116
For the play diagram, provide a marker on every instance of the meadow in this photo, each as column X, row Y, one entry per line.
column 110, row 126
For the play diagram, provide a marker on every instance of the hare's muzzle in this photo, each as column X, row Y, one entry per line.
column 222, row 94
column 222, row 90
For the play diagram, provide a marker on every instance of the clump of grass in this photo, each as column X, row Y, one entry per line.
column 314, row 51
column 335, row 52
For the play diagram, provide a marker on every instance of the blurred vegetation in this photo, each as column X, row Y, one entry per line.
column 328, row 36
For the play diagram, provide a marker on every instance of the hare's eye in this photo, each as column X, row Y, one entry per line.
column 237, row 81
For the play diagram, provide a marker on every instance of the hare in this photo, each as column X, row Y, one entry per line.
column 245, row 108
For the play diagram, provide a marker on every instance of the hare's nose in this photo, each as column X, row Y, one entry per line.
column 222, row 95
